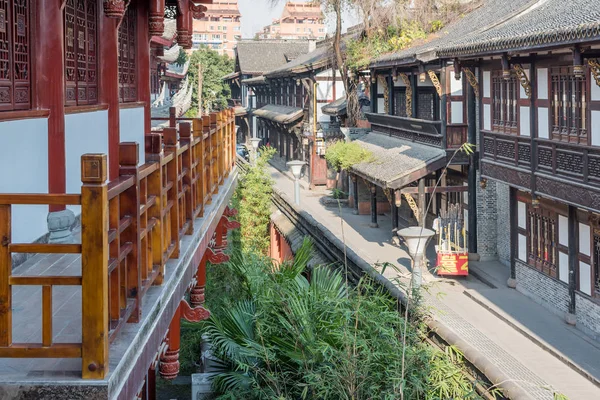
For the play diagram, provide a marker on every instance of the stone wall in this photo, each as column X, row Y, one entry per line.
column 503, row 222
column 548, row 292
column 588, row 314
column 486, row 220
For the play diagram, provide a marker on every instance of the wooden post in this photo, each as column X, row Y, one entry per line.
column 142, row 54
column 172, row 117
column 94, row 266
column 187, row 159
column 422, row 217
column 443, row 108
column 394, row 212
column 197, row 293
column 130, row 205
column 171, row 147
column 207, row 159
column 355, row 192
column 472, row 177
column 514, row 226
column 169, row 362
column 154, row 187
column 200, row 82
column 5, row 272
column 201, row 176
column 373, row 223
column 573, row 251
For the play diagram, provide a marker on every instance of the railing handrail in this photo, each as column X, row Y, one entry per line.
column 131, row 227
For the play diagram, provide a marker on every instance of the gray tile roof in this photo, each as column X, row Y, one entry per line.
column 544, row 24
column 259, row 56
column 397, row 162
column 487, row 14
column 318, row 58
column 280, row 114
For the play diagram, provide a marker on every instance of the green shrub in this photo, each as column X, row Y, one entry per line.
column 342, row 155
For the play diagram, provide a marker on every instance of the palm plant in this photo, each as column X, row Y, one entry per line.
column 290, row 337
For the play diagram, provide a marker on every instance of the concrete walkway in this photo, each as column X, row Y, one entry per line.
column 527, row 346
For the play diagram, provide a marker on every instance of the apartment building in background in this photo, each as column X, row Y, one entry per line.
column 220, row 28
column 298, row 21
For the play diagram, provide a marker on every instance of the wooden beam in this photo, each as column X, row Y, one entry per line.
column 5, row 271
column 40, row 199
column 38, row 350
column 433, row 189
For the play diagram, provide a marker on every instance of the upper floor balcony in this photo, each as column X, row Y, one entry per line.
column 101, row 307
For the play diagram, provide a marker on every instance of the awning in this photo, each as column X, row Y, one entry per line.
column 280, row 114
column 240, row 111
column 335, row 108
column 397, row 162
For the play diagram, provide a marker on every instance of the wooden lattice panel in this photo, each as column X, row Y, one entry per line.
column 127, row 54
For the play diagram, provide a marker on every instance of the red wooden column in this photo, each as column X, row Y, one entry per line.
column 169, row 362
column 50, row 88
column 143, row 60
column 109, row 86
column 197, row 292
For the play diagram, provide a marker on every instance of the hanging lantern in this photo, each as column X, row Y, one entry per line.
column 156, row 20
column 114, row 8
column 505, row 67
column 422, row 74
column 457, row 69
column 577, row 63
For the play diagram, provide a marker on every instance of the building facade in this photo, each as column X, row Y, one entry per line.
column 526, row 93
column 219, row 28
column 122, row 215
column 299, row 20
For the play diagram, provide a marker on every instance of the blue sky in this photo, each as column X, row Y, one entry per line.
column 258, row 13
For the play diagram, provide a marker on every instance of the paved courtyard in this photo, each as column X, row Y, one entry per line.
column 534, row 349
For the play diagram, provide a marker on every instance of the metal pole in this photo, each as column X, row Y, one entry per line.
column 417, row 274
column 297, row 191
column 373, row 223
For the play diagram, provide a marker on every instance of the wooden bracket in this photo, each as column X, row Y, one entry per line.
column 595, row 68
column 435, row 81
column 216, row 258
column 523, row 79
column 386, row 93
column 409, row 94
column 472, row 81
column 195, row 314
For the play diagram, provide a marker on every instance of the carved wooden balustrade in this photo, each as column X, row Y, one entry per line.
column 131, row 227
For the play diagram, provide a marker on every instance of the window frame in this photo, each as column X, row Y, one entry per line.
column 578, row 133
column 128, row 66
column 11, row 87
column 508, row 88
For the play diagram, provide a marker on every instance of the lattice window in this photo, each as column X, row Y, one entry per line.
column 81, row 60
column 127, row 57
column 15, row 63
column 399, row 102
column 568, row 106
column 504, row 103
column 542, row 240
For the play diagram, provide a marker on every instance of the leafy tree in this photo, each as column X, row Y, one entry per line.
column 214, row 91
column 253, row 195
column 182, row 57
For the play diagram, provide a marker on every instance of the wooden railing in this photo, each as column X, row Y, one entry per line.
column 131, row 226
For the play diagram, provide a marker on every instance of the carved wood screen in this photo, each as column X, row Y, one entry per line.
column 81, row 56
column 568, row 106
column 15, row 64
column 596, row 261
column 127, row 56
column 542, row 239
column 504, row 103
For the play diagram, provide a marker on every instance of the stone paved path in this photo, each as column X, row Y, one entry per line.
column 528, row 365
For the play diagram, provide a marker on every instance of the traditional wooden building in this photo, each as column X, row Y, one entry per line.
column 105, row 226
column 538, row 76
column 288, row 107
column 254, row 58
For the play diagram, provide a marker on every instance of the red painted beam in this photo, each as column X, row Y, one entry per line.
column 50, row 89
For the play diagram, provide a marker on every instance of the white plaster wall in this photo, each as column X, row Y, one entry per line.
column 595, row 93
column 585, row 284
column 381, row 106
column 399, row 82
column 325, row 90
column 427, row 82
column 595, row 126
column 457, row 112
column 84, row 133
column 522, row 94
column 380, row 85
column 487, row 84
column 542, row 83
column 24, row 166
column 339, row 90
column 131, row 128
column 543, row 129
column 522, row 215
column 487, row 117
column 563, row 230
column 456, row 87
column 524, row 129
column 563, row 267
column 522, row 248
column 584, row 239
